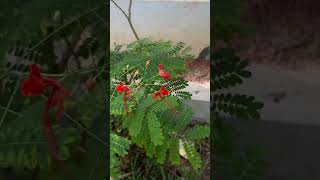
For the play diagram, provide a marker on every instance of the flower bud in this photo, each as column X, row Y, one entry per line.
column 90, row 83
column 147, row 63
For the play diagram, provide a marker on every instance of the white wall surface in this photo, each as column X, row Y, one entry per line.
column 188, row 22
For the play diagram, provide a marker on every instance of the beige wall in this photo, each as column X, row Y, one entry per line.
column 188, row 22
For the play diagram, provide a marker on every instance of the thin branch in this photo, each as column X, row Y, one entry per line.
column 9, row 103
column 124, row 13
column 23, row 143
column 49, row 36
column 72, row 52
column 61, row 74
column 129, row 9
column 101, row 19
column 128, row 17
column 11, row 111
column 85, row 129
column 81, row 126
column 125, row 175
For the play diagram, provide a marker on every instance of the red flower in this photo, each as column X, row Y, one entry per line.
column 123, row 88
column 35, row 85
column 161, row 94
column 162, row 73
column 126, row 90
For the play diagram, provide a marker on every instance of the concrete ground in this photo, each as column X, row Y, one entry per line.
column 200, row 102
column 293, row 150
column 289, row 96
column 290, row 124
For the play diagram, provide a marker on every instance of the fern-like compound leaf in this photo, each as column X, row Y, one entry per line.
column 155, row 130
column 192, row 155
column 198, row 132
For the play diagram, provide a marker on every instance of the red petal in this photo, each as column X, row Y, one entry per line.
column 164, row 91
column 120, row 87
column 123, row 88
column 35, row 71
column 32, row 87
column 162, row 73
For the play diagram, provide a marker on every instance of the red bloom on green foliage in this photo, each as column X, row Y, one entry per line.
column 161, row 94
column 162, row 73
column 35, row 85
column 123, row 88
column 126, row 90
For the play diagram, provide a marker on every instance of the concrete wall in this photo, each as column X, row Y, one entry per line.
column 184, row 20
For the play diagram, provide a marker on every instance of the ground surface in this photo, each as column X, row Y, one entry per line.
column 285, row 63
column 292, row 150
column 288, row 96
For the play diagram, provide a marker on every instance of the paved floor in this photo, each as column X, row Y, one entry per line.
column 290, row 125
column 293, row 150
column 298, row 94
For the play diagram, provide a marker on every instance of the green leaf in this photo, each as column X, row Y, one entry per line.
column 192, row 155
column 174, row 151
column 155, row 130
column 136, row 123
column 119, row 145
column 198, row 132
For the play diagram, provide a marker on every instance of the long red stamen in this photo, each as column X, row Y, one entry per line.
column 168, row 104
column 125, row 103
column 53, row 147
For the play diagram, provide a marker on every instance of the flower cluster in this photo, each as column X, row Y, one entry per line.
column 126, row 92
column 158, row 95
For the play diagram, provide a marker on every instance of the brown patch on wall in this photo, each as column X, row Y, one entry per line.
column 287, row 32
column 199, row 70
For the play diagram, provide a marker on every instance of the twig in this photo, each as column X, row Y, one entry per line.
column 125, row 175
column 128, row 17
column 102, row 20
column 23, row 143
column 82, row 127
column 11, row 111
column 72, row 52
column 20, row 59
column 85, row 129
column 9, row 103
column 59, row 75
